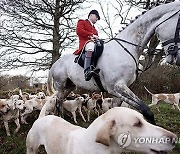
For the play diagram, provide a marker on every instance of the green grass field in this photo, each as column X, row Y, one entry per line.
column 15, row 144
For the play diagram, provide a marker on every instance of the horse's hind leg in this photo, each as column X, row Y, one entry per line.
column 64, row 86
column 59, row 101
column 57, row 108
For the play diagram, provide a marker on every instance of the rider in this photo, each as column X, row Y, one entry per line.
column 88, row 35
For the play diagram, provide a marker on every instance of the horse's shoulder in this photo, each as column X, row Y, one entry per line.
column 68, row 56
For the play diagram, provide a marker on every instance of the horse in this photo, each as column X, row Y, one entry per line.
column 119, row 60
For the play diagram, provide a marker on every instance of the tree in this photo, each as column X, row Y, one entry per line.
column 148, row 4
column 119, row 16
column 10, row 83
column 34, row 33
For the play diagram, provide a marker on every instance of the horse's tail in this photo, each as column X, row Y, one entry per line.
column 148, row 91
column 50, row 87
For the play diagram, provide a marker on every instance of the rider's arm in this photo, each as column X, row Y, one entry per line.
column 81, row 31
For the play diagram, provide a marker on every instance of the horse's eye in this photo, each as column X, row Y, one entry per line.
column 138, row 124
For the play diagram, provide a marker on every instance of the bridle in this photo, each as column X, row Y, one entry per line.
column 173, row 49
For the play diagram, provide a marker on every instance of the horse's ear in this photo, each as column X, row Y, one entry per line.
column 104, row 133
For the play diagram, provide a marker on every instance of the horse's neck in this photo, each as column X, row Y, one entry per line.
column 140, row 31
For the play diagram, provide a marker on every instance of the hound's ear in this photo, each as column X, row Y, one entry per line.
column 104, row 133
column 10, row 93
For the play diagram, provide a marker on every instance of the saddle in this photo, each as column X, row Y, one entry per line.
column 99, row 46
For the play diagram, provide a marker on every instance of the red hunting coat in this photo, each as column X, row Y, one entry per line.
column 84, row 31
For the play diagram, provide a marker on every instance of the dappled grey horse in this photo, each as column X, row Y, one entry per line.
column 119, row 60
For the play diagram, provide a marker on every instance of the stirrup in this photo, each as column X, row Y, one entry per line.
column 94, row 70
column 88, row 75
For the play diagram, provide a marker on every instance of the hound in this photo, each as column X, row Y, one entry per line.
column 107, row 104
column 106, row 135
column 27, row 96
column 41, row 95
column 4, row 107
column 91, row 104
column 73, row 105
column 30, row 105
column 10, row 111
column 172, row 99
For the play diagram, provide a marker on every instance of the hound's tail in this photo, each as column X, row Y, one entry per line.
column 102, row 95
column 148, row 91
column 50, row 87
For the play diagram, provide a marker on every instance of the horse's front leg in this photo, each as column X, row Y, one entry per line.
column 126, row 95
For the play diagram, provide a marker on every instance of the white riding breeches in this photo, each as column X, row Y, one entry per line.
column 90, row 46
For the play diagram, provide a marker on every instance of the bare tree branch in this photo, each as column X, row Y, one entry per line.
column 41, row 28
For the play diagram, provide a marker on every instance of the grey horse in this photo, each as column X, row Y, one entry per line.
column 119, row 60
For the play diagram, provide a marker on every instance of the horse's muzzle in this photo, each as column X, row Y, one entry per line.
column 177, row 59
column 170, row 59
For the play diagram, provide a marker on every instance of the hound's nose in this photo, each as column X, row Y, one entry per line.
column 172, row 138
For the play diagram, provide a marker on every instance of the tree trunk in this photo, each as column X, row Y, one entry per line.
column 56, row 45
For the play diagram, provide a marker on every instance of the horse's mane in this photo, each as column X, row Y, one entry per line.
column 160, row 10
column 157, row 8
column 133, row 20
column 155, row 11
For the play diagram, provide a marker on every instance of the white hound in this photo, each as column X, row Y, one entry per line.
column 10, row 110
column 73, row 105
column 103, row 136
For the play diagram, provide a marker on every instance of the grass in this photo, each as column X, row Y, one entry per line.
column 15, row 144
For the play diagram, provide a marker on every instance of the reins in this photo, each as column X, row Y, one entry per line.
column 128, row 53
column 144, row 47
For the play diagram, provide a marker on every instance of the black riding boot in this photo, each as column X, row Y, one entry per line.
column 89, row 70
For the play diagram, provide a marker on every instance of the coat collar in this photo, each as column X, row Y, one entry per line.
column 91, row 22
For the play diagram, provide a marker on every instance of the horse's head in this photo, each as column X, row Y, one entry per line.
column 168, row 32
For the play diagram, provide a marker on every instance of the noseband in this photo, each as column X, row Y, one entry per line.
column 173, row 49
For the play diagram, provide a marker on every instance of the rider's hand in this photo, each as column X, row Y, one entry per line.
column 94, row 37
